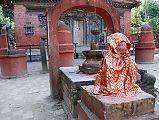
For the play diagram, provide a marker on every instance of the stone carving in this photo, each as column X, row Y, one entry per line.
column 43, row 20
column 147, row 82
column 10, row 37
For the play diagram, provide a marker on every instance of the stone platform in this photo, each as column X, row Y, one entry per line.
column 99, row 107
column 72, row 80
column 12, row 63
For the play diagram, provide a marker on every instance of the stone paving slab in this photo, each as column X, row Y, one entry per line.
column 28, row 98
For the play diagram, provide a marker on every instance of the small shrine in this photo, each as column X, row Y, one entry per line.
column 146, row 45
column 12, row 61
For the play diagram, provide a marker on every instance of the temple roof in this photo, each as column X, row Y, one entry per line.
column 134, row 3
column 49, row 3
column 9, row 3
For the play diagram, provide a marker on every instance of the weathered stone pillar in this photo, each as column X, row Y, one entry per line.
column 144, row 50
column 43, row 56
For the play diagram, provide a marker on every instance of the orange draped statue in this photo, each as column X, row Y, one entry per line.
column 117, row 74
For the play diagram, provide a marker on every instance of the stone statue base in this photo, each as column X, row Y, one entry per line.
column 13, row 63
column 101, row 107
column 92, row 62
column 72, row 80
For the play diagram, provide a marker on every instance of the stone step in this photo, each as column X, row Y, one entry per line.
column 115, row 108
column 84, row 113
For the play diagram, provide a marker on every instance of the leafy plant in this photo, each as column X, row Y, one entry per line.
column 6, row 17
column 147, row 12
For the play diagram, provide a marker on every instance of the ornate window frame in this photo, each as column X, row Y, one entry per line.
column 29, row 29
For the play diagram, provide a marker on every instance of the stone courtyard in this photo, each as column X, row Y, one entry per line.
column 28, row 97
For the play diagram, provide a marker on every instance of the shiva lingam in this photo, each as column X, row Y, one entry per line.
column 92, row 62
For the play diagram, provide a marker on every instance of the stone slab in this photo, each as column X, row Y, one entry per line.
column 72, row 80
column 72, row 76
column 115, row 108
column 85, row 114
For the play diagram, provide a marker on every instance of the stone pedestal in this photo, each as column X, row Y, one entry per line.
column 72, row 80
column 92, row 62
column 13, row 63
column 144, row 50
column 115, row 108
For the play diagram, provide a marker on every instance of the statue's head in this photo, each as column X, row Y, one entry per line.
column 118, row 43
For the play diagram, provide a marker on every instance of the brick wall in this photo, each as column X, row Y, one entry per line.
column 21, row 16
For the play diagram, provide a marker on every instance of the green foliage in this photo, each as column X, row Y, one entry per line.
column 6, row 17
column 152, row 8
column 154, row 23
column 8, row 13
column 147, row 12
column 136, row 20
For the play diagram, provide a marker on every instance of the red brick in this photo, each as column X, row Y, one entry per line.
column 146, row 45
column 115, row 108
column 21, row 17
column 13, row 65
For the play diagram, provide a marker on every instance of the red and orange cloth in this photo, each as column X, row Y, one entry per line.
column 117, row 75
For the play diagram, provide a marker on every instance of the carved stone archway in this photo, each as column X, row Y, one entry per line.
column 104, row 9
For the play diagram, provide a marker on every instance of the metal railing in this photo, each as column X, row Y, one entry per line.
column 30, row 47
